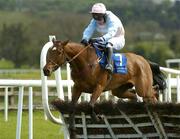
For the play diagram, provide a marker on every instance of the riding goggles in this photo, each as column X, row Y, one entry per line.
column 98, row 16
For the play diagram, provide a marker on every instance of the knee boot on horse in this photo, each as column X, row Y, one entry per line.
column 109, row 66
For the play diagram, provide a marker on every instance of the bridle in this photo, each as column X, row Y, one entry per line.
column 55, row 64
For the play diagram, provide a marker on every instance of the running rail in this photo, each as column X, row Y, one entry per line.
column 170, row 84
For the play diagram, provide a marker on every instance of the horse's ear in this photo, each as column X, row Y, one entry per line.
column 65, row 42
column 53, row 40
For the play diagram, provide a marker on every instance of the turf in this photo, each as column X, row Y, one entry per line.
column 42, row 129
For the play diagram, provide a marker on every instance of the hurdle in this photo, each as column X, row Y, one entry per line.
column 124, row 120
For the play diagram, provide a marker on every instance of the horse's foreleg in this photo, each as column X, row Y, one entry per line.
column 97, row 92
column 75, row 96
column 102, row 82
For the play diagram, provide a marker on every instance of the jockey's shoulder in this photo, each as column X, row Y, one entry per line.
column 109, row 13
column 112, row 17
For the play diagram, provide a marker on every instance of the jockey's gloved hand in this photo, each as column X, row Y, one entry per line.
column 85, row 42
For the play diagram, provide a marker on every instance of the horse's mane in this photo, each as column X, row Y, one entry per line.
column 77, row 47
column 84, row 53
column 74, row 45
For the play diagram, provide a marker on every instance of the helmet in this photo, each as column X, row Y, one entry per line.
column 98, row 8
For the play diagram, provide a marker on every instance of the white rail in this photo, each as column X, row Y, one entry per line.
column 172, row 82
column 21, row 84
column 171, row 61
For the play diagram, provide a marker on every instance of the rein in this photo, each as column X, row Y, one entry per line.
column 68, row 61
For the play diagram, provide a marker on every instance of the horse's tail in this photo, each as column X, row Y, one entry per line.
column 158, row 76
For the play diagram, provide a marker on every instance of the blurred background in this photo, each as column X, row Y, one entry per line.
column 152, row 27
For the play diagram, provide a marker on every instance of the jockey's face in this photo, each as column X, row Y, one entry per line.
column 100, row 18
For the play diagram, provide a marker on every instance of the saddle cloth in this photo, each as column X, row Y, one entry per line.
column 119, row 61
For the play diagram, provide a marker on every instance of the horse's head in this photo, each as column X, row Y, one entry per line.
column 55, row 57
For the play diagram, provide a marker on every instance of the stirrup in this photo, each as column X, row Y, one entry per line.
column 109, row 68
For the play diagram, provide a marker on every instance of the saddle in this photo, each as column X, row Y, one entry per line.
column 119, row 59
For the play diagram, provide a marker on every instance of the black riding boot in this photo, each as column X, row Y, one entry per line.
column 109, row 66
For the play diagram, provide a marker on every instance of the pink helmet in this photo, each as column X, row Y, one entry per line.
column 99, row 8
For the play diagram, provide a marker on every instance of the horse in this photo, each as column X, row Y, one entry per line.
column 90, row 77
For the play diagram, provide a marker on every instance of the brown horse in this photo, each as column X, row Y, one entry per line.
column 89, row 77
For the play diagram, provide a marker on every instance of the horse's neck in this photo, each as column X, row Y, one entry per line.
column 83, row 59
column 72, row 49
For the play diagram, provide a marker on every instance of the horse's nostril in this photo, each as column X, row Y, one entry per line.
column 46, row 72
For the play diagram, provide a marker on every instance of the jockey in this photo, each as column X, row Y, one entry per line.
column 110, row 28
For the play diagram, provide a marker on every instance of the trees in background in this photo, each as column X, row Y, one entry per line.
column 13, row 44
column 152, row 30
column 174, row 44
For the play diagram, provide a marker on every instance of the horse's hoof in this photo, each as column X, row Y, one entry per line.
column 72, row 135
column 72, row 132
column 100, row 117
column 72, row 128
column 96, row 118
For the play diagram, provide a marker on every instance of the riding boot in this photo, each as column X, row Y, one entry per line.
column 109, row 66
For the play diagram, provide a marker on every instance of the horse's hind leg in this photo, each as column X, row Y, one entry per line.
column 124, row 92
column 145, row 89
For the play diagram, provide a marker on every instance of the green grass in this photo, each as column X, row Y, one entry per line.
column 29, row 75
column 42, row 129
column 32, row 74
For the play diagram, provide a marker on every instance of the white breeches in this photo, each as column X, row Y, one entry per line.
column 118, row 42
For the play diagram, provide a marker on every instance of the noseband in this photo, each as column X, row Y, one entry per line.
column 55, row 64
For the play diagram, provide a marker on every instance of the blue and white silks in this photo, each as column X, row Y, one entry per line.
column 119, row 61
